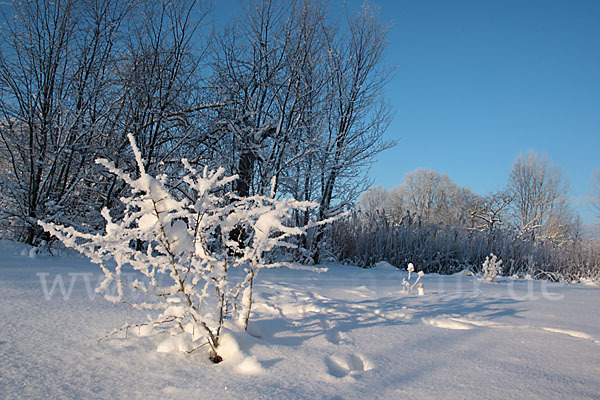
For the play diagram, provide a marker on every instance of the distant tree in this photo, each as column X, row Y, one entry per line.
column 435, row 198
column 539, row 193
column 396, row 204
column 492, row 210
column 374, row 199
column 424, row 194
column 462, row 203
column 426, row 191
column 596, row 193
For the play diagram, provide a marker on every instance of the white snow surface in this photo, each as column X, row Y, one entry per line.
column 346, row 333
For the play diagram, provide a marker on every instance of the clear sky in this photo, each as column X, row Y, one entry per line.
column 478, row 82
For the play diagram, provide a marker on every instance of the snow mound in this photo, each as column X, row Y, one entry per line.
column 249, row 366
column 174, row 344
column 446, row 323
column 589, row 282
column 385, row 265
column 230, row 350
column 577, row 334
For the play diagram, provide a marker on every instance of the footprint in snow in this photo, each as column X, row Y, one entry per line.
column 352, row 364
column 333, row 335
column 326, row 324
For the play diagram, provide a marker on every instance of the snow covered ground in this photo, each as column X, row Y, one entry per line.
column 341, row 334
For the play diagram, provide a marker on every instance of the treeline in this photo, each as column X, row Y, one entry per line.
column 444, row 228
column 438, row 248
column 287, row 95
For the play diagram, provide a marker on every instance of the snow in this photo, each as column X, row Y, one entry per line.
column 341, row 334
column 384, row 265
column 147, row 221
column 174, row 344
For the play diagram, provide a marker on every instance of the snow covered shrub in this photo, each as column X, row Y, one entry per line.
column 408, row 286
column 491, row 267
column 194, row 251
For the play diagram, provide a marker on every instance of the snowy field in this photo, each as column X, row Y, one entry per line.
column 341, row 334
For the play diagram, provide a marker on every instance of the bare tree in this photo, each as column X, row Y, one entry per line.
column 75, row 78
column 357, row 115
column 539, row 192
column 373, row 200
column 428, row 197
column 397, row 207
column 303, row 112
column 263, row 68
column 427, row 192
column 54, row 76
column 159, row 91
column 596, row 193
column 492, row 211
column 433, row 197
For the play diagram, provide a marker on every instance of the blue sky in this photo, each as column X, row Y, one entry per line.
column 479, row 82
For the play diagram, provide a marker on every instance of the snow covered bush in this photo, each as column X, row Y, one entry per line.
column 408, row 286
column 492, row 267
column 194, row 251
